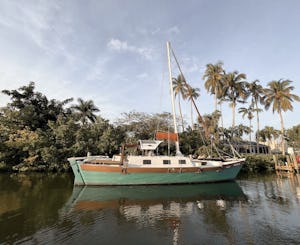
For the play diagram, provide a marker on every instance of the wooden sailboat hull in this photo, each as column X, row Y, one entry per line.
column 93, row 174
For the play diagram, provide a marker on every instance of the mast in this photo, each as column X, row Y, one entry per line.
column 172, row 100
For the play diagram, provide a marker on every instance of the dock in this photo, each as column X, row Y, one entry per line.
column 290, row 166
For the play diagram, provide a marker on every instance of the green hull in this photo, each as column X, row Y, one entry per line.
column 107, row 178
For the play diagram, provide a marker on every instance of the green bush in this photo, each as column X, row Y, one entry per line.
column 260, row 163
column 4, row 167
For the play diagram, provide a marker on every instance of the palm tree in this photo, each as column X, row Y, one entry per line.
column 237, row 132
column 211, row 123
column 85, row 110
column 256, row 92
column 269, row 134
column 278, row 95
column 234, row 90
column 192, row 93
column 249, row 113
column 179, row 88
column 213, row 78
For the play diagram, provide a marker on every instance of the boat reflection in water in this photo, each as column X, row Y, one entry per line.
column 93, row 198
column 159, row 208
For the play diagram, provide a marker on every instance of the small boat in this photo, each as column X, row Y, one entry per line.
column 149, row 168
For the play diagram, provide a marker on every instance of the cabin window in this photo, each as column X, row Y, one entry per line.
column 146, row 161
column 182, row 162
column 166, row 162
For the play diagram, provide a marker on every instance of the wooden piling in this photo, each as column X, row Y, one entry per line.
column 290, row 166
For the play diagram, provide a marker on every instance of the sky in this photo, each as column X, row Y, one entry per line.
column 114, row 51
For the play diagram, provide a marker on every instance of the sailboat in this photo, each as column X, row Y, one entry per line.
column 149, row 168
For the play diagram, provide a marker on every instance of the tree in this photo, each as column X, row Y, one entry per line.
column 211, row 124
column 139, row 125
column 192, row 93
column 234, row 86
column 85, row 110
column 180, row 89
column 256, row 92
column 33, row 109
column 238, row 131
column 213, row 78
column 190, row 141
column 294, row 136
column 278, row 96
column 249, row 113
column 269, row 135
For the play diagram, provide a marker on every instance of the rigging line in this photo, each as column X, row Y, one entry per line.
column 192, row 99
column 235, row 153
column 225, row 153
column 200, row 118
column 233, row 150
column 204, row 143
column 193, row 102
column 217, row 150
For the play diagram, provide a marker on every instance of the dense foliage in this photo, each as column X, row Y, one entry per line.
column 41, row 133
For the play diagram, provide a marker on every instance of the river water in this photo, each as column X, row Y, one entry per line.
column 46, row 209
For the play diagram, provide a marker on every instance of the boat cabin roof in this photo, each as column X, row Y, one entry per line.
column 149, row 144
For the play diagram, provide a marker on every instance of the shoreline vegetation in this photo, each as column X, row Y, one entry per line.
column 39, row 134
column 254, row 164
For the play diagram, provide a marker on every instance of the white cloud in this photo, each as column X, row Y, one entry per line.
column 41, row 24
column 97, row 70
column 191, row 65
column 142, row 75
column 173, row 30
column 118, row 45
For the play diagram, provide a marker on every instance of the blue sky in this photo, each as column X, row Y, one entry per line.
column 113, row 52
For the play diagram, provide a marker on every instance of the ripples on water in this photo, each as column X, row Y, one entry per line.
column 46, row 209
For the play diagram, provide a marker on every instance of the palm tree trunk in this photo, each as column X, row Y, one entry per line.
column 233, row 115
column 282, row 132
column 222, row 122
column 182, row 124
column 257, row 126
column 233, row 119
column 250, row 136
column 216, row 100
column 192, row 119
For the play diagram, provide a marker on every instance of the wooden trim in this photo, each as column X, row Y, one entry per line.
column 102, row 161
column 101, row 168
column 128, row 170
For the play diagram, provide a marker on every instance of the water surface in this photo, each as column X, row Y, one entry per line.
column 46, row 209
